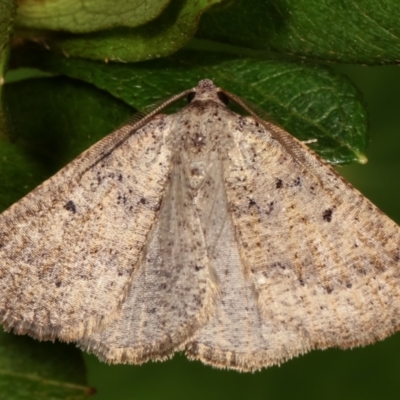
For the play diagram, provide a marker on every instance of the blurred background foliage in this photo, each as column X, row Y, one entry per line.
column 77, row 69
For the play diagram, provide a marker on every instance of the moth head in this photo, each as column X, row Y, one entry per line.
column 206, row 90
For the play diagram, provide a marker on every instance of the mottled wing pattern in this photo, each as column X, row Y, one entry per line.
column 70, row 248
column 174, row 291
column 204, row 232
column 310, row 262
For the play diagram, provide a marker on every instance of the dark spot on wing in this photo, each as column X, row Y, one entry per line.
column 252, row 203
column 270, row 208
column 327, row 215
column 70, row 206
column 279, row 183
column 278, row 264
column 328, row 289
column 363, row 271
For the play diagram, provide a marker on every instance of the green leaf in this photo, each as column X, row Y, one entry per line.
column 7, row 15
column 158, row 38
column 54, row 120
column 362, row 31
column 88, row 16
column 40, row 370
column 308, row 100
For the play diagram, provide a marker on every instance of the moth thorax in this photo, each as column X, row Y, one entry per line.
column 196, row 142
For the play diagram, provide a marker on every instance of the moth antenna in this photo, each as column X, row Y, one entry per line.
column 293, row 147
column 152, row 109
column 135, row 122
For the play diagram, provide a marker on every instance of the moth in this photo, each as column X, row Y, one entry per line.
column 206, row 232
